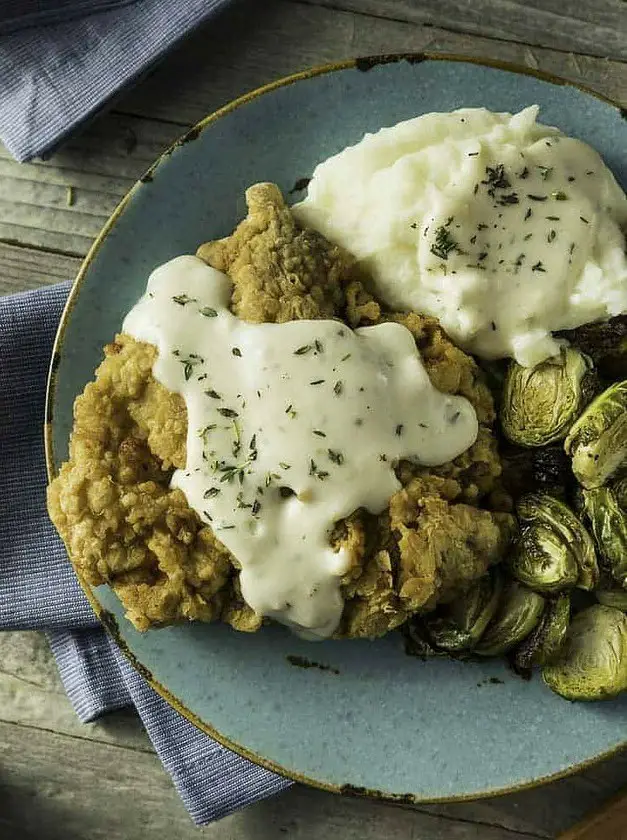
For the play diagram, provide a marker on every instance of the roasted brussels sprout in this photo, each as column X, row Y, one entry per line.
column 542, row 559
column 530, row 470
column 608, row 520
column 606, row 344
column 539, row 405
column 518, row 612
column 459, row 625
column 592, row 662
column 597, row 442
column 543, row 644
column 612, row 598
column 552, row 540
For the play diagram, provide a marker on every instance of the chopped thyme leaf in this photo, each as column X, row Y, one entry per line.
column 584, row 220
column 443, row 244
column 551, row 236
column 318, row 346
column 236, row 351
column 344, row 358
column 284, row 466
column 213, row 394
column 228, row 412
column 538, row 267
column 317, row 382
column 448, row 222
column 319, row 433
column 285, row 492
column 183, row 300
column 208, row 312
column 553, row 218
column 399, row 430
column 302, row 350
column 336, row 456
column 558, row 195
column 572, row 248
column 509, row 198
column 211, row 492
column 208, row 515
column 256, row 507
column 527, row 237
column 482, row 256
column 528, row 214
column 545, row 171
column 337, row 388
column 496, row 179
column 482, row 227
column 492, row 326
column 537, row 197
column 524, row 173
column 473, row 239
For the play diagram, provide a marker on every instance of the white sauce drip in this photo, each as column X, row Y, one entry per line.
column 308, row 405
column 503, row 229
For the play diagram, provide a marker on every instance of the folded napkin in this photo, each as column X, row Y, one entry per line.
column 38, row 589
column 54, row 76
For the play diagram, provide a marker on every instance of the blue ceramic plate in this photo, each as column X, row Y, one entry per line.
column 376, row 721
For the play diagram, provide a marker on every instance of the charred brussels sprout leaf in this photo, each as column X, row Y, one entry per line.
column 597, row 442
column 608, row 520
column 517, row 614
column 544, row 643
column 592, row 663
column 539, row 405
column 552, row 539
column 606, row 344
column 616, row 598
column 459, row 625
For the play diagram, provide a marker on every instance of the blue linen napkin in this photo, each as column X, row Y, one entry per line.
column 54, row 76
column 38, row 588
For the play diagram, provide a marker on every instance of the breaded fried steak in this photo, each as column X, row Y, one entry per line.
column 125, row 526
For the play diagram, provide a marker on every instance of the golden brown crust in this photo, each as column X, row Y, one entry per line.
column 124, row 526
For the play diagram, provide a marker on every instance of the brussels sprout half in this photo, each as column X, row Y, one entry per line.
column 459, row 625
column 552, row 537
column 597, row 441
column 518, row 612
column 608, row 520
column 544, row 643
column 592, row 662
column 539, row 405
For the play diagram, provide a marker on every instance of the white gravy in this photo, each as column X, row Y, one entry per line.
column 291, row 427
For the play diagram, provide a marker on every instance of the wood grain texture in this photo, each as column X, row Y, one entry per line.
column 252, row 43
column 239, row 52
column 40, row 731
column 610, row 821
column 60, row 779
column 595, row 27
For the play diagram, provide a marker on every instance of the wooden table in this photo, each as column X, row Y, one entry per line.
column 59, row 778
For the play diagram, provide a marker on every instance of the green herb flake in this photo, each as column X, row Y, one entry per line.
column 443, row 244
column 335, row 456
column 228, row 412
column 208, row 312
column 538, row 267
column 236, row 352
column 183, row 300
column 338, row 388
column 302, row 350
column 559, row 195
column 211, row 492
column 319, row 433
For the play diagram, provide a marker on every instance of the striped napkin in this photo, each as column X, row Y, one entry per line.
column 61, row 60
column 38, row 588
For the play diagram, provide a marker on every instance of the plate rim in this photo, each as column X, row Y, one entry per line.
column 106, row 618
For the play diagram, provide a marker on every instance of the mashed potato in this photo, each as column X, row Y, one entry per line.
column 504, row 229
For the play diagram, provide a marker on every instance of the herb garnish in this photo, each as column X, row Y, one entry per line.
column 213, row 394
column 302, row 350
column 208, row 312
column 443, row 244
column 337, row 388
column 228, row 412
column 538, row 267
column 236, row 351
column 183, row 300
column 335, row 456
column 399, row 430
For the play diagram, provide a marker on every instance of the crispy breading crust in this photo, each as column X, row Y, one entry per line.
column 123, row 525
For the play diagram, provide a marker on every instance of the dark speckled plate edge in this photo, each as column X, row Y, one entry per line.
column 109, row 622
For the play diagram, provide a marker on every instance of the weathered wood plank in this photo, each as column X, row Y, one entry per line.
column 37, row 206
column 26, row 268
column 55, row 787
column 594, row 27
column 253, row 43
column 62, row 204
column 31, row 694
